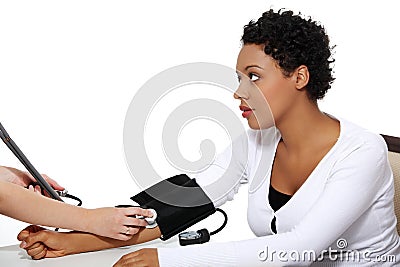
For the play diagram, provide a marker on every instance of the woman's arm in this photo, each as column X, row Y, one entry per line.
column 22, row 204
column 350, row 191
column 40, row 243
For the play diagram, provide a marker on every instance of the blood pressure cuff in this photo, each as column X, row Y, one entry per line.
column 179, row 202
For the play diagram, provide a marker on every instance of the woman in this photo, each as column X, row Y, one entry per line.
column 326, row 180
column 28, row 206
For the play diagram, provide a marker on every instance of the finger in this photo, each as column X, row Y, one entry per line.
column 31, row 188
column 138, row 211
column 35, row 237
column 28, row 178
column 126, row 260
column 33, row 246
column 28, row 230
column 132, row 231
column 53, row 183
column 40, row 254
column 131, row 263
column 22, row 235
column 122, row 237
column 46, row 194
column 135, row 222
column 19, row 182
column 38, row 190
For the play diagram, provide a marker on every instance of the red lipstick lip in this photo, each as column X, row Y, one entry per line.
column 244, row 108
column 246, row 111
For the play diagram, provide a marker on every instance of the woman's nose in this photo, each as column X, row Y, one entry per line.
column 241, row 92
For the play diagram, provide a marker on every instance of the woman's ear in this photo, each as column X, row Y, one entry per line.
column 302, row 77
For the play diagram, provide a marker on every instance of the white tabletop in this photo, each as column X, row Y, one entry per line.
column 11, row 256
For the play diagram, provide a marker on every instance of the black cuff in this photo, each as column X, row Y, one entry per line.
column 179, row 202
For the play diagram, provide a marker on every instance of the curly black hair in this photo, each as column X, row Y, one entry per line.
column 293, row 41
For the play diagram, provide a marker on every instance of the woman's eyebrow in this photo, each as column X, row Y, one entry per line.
column 251, row 66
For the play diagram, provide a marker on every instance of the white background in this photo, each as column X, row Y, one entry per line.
column 69, row 69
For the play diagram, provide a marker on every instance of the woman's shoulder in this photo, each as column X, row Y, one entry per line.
column 355, row 132
column 361, row 155
column 355, row 137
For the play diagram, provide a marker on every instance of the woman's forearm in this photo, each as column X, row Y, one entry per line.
column 84, row 242
column 22, row 204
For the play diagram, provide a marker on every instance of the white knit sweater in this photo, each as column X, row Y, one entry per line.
column 346, row 204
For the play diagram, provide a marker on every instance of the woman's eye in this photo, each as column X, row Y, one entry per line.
column 253, row 77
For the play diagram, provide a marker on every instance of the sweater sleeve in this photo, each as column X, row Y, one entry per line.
column 221, row 179
column 350, row 190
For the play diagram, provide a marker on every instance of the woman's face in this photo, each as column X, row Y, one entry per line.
column 265, row 93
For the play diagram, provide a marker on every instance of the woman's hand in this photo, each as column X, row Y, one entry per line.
column 40, row 243
column 117, row 223
column 143, row 257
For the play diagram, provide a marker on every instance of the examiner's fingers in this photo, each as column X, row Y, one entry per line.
column 38, row 190
column 126, row 237
column 138, row 211
column 135, row 222
column 53, row 183
column 131, row 231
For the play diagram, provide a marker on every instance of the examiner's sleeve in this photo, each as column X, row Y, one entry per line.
column 355, row 179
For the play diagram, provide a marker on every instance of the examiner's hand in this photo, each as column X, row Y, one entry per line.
column 40, row 243
column 115, row 222
column 24, row 179
column 142, row 257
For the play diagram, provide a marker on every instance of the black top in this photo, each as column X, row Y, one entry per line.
column 276, row 201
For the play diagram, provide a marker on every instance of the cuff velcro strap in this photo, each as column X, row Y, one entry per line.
column 179, row 202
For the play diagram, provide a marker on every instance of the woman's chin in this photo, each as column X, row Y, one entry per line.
column 256, row 125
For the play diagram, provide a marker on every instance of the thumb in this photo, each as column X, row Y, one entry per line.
column 34, row 238
column 28, row 230
column 139, row 211
column 23, row 235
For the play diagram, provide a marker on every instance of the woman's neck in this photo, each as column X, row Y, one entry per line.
column 305, row 127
